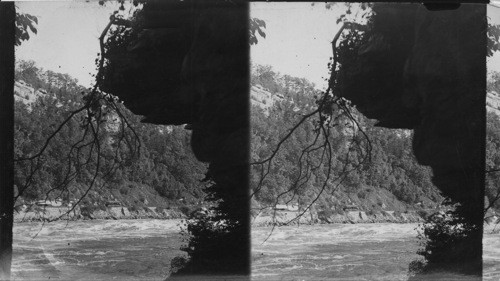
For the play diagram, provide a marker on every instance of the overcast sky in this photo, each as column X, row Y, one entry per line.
column 67, row 38
column 298, row 38
column 297, row 42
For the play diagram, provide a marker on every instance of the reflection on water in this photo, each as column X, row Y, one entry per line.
column 346, row 252
column 95, row 250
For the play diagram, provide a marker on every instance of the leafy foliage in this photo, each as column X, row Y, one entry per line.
column 24, row 24
column 215, row 237
column 493, row 39
column 256, row 26
column 446, row 239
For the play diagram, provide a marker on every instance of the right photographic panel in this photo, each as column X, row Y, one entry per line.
column 368, row 151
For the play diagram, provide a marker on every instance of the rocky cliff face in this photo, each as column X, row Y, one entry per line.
column 425, row 70
column 263, row 99
column 26, row 94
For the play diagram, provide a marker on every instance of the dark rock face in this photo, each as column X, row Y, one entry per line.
column 373, row 81
column 186, row 62
column 447, row 67
column 426, row 71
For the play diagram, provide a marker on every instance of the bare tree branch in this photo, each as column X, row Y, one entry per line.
column 327, row 119
column 87, row 150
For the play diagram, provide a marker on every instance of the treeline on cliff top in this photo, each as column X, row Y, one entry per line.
column 164, row 172
column 392, row 168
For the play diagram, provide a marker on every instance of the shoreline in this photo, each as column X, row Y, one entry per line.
column 283, row 217
column 110, row 213
column 349, row 217
column 352, row 217
column 263, row 219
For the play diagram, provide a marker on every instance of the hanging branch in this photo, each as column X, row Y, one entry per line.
column 87, row 150
column 326, row 120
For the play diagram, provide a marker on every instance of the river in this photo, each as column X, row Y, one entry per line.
column 349, row 252
column 143, row 249
column 95, row 250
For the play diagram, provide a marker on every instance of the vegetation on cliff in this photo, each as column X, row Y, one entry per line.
column 165, row 173
column 392, row 168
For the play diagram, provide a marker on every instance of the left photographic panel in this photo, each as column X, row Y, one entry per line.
column 130, row 141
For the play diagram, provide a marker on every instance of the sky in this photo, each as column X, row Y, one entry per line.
column 67, row 37
column 298, row 38
column 297, row 41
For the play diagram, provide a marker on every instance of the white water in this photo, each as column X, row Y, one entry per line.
column 347, row 252
column 143, row 249
column 95, row 250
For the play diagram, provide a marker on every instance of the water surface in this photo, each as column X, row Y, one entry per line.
column 95, row 250
column 143, row 249
column 348, row 252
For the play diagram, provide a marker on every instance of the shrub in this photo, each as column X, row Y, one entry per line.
column 177, row 263
column 446, row 239
column 416, row 266
column 123, row 191
column 206, row 234
column 216, row 239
